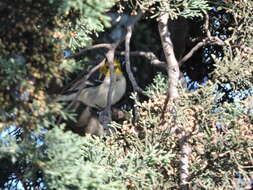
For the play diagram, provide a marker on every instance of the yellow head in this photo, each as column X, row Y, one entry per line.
column 105, row 70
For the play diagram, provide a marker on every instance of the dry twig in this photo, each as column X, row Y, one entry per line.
column 209, row 40
column 105, row 116
column 136, row 87
column 148, row 55
column 96, row 46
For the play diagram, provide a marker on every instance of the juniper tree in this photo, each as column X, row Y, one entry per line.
column 200, row 137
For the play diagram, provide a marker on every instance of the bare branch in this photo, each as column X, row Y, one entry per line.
column 105, row 116
column 206, row 25
column 209, row 40
column 148, row 55
column 172, row 64
column 191, row 52
column 96, row 46
column 136, row 87
column 172, row 93
column 81, row 83
column 184, row 161
column 110, row 59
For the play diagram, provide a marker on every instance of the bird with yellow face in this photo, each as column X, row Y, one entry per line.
column 95, row 95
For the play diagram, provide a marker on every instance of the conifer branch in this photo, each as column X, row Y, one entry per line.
column 148, row 55
column 209, row 40
column 135, row 86
column 172, row 64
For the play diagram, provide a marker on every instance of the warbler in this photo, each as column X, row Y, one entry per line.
column 95, row 93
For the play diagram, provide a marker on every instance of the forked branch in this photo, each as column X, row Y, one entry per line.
column 209, row 40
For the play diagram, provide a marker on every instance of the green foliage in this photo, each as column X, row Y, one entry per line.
column 218, row 136
column 187, row 9
column 14, row 71
column 234, row 70
column 67, row 161
column 175, row 8
column 31, row 47
column 94, row 164
column 158, row 87
column 59, row 166
column 142, row 155
column 92, row 19
column 78, row 167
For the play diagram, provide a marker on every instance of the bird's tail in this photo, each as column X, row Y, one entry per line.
column 67, row 97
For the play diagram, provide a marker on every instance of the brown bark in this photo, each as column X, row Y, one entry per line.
column 172, row 93
column 184, row 161
column 128, row 36
column 172, row 64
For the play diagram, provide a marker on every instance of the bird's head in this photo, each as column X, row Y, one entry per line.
column 105, row 70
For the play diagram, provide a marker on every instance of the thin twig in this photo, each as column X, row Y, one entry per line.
column 191, row 52
column 96, row 46
column 106, row 114
column 148, row 55
column 165, row 104
column 209, row 40
column 81, row 83
column 206, row 25
column 136, row 87
column 110, row 59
